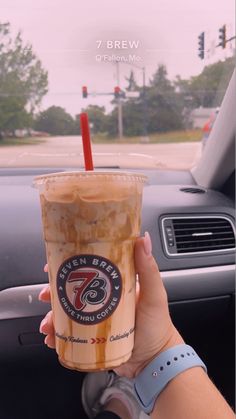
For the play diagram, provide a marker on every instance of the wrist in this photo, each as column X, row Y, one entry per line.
column 174, row 339
column 155, row 377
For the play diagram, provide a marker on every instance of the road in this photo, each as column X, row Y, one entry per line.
column 67, row 152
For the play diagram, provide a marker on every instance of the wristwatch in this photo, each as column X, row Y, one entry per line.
column 161, row 370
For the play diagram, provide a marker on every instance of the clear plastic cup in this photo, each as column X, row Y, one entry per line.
column 91, row 221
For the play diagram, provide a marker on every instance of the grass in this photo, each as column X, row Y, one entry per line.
column 158, row 138
column 11, row 141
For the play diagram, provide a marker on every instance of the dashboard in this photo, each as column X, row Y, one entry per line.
column 199, row 282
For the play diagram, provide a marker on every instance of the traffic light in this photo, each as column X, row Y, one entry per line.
column 222, row 36
column 117, row 92
column 201, row 45
column 84, row 92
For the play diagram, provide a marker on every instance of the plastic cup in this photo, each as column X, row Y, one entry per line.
column 91, row 221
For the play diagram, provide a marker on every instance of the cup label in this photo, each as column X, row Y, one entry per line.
column 89, row 288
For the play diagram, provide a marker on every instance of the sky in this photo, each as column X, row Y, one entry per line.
column 79, row 42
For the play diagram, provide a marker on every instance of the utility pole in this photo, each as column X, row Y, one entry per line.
column 145, row 136
column 143, row 95
column 119, row 104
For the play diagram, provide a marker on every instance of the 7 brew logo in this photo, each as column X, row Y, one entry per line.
column 89, row 288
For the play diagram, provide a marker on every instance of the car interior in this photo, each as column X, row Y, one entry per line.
column 198, row 274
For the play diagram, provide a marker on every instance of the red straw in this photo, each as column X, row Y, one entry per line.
column 84, row 124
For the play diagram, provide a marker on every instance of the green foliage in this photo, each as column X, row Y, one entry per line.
column 55, row 121
column 23, row 82
column 97, row 118
column 159, row 106
column 76, row 125
column 132, row 85
column 208, row 88
column 164, row 108
column 133, row 118
column 167, row 105
column 112, row 125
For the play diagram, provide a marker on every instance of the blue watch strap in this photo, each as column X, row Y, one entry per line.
column 156, row 375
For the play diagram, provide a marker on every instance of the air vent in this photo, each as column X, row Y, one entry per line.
column 192, row 190
column 198, row 235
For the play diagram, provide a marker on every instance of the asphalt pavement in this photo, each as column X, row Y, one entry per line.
column 68, row 152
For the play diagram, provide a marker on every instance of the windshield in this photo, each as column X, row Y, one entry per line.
column 150, row 75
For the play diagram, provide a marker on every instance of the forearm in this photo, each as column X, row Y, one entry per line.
column 191, row 394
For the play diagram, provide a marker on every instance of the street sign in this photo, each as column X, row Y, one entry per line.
column 132, row 95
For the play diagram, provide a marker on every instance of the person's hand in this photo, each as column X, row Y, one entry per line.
column 154, row 330
column 46, row 325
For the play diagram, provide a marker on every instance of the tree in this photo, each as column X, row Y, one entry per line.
column 97, row 117
column 132, row 85
column 163, row 107
column 55, row 121
column 208, row 88
column 133, row 118
column 160, row 79
column 23, row 81
column 76, row 125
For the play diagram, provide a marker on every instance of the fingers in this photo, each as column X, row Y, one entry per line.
column 50, row 341
column 152, row 290
column 46, row 325
column 45, row 295
column 47, row 328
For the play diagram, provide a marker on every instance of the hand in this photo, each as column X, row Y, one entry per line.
column 154, row 330
column 46, row 326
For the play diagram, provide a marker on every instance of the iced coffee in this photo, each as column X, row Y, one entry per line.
column 90, row 222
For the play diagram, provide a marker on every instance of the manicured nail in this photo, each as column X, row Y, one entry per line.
column 40, row 294
column 147, row 244
column 42, row 324
column 47, row 342
column 45, row 268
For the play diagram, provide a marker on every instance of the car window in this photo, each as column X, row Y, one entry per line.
column 151, row 77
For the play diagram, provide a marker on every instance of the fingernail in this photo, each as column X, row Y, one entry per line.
column 45, row 268
column 42, row 324
column 48, row 343
column 147, row 244
column 40, row 294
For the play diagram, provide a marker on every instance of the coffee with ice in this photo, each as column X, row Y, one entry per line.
column 90, row 222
